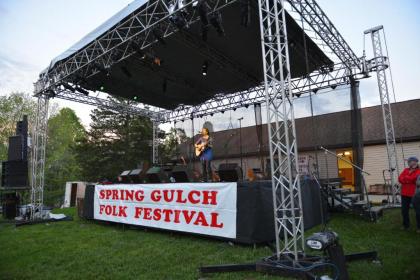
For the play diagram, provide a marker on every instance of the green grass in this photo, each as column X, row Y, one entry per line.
column 86, row 250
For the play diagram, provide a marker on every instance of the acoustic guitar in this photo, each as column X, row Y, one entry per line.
column 199, row 149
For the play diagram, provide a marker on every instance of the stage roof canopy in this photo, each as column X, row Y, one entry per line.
column 170, row 72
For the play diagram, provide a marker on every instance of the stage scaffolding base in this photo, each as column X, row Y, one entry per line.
column 305, row 268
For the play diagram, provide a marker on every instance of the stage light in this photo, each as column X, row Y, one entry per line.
column 216, row 21
column 68, row 87
column 102, row 69
column 246, row 106
column 135, row 97
column 178, row 19
column 203, row 10
column 82, row 90
column 126, row 71
column 102, row 88
column 245, row 13
column 50, row 93
column 334, row 87
column 315, row 90
column 158, row 35
column 204, row 68
column 298, row 94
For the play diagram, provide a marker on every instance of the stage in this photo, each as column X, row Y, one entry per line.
column 240, row 212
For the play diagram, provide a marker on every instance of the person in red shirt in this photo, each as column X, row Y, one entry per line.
column 408, row 180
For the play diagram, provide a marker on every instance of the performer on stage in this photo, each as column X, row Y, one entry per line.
column 203, row 149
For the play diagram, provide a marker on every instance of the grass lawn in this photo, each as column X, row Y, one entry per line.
column 86, row 250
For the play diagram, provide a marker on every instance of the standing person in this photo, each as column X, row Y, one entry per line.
column 408, row 179
column 204, row 149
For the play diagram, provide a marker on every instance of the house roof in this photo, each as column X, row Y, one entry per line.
column 331, row 130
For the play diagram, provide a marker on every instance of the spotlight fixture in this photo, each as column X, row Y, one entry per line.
column 204, row 68
column 103, row 69
column 82, row 90
column 50, row 93
column 298, row 94
column 135, row 98
column 315, row 91
column 158, row 35
column 178, row 19
column 216, row 21
column 333, row 87
column 68, row 87
column 203, row 9
column 245, row 12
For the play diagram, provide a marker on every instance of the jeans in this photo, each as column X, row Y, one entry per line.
column 206, row 168
column 405, row 211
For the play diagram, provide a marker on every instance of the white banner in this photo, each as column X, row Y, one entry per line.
column 205, row 208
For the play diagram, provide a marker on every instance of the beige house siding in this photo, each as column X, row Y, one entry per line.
column 376, row 160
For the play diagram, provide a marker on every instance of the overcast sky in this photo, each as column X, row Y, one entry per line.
column 34, row 32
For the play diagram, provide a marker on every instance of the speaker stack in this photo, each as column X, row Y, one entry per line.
column 15, row 169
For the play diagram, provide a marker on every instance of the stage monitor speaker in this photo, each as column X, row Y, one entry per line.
column 14, row 174
column 182, row 174
column 230, row 172
column 124, row 176
column 158, row 174
column 15, row 151
column 137, row 176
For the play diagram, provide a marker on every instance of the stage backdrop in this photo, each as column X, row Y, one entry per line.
column 203, row 208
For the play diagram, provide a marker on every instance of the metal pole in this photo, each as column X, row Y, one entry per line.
column 240, row 141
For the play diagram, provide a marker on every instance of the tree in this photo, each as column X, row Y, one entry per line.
column 115, row 142
column 169, row 149
column 12, row 109
column 64, row 131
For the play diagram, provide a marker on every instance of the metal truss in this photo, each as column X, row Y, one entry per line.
column 39, row 140
column 338, row 75
column 287, row 201
column 145, row 111
column 321, row 25
column 380, row 64
column 155, row 143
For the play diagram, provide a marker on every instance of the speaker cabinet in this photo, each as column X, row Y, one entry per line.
column 14, row 174
column 230, row 172
column 158, row 174
column 137, row 176
column 182, row 174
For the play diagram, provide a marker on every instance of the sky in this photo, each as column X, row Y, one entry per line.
column 33, row 32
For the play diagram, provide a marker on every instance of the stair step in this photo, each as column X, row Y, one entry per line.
column 352, row 196
column 360, row 203
column 341, row 190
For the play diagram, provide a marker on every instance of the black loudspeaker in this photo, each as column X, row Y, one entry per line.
column 182, row 174
column 15, row 151
column 137, row 176
column 10, row 203
column 14, row 174
column 158, row 174
column 230, row 172
column 124, row 176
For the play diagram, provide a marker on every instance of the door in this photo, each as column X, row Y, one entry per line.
column 73, row 194
column 345, row 169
